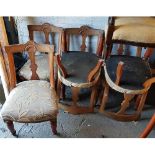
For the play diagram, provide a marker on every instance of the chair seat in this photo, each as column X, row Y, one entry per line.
column 78, row 65
column 135, row 71
column 42, row 70
column 30, row 101
column 135, row 33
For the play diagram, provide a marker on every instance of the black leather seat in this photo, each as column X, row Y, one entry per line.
column 78, row 65
column 135, row 71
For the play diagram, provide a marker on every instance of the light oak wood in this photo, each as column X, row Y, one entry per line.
column 3, row 69
column 84, row 31
column 139, row 51
column 47, row 29
column 4, row 75
column 148, row 128
column 119, row 72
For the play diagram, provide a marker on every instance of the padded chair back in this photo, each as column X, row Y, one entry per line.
column 127, row 30
column 30, row 47
column 84, row 31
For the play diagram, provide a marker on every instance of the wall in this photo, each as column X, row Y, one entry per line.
column 95, row 22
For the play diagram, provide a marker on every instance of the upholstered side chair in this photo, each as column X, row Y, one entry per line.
column 34, row 100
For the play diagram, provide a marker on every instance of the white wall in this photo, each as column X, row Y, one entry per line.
column 95, row 22
column 99, row 22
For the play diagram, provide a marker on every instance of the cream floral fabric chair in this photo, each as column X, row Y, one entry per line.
column 34, row 100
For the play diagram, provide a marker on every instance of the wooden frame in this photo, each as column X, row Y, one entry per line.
column 47, row 28
column 4, row 74
column 128, row 93
column 128, row 96
column 148, row 128
column 84, row 31
column 31, row 47
column 3, row 41
column 93, row 81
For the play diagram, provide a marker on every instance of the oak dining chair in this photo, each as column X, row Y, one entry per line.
column 34, row 100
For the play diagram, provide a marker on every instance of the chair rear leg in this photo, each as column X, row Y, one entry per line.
column 63, row 93
column 11, row 127
column 93, row 98
column 54, row 126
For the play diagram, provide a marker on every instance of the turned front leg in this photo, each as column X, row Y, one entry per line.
column 11, row 127
column 93, row 97
column 54, row 126
column 104, row 98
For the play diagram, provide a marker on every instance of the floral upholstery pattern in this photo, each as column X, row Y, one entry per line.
column 31, row 101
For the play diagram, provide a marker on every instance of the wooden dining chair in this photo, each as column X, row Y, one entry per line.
column 34, row 100
column 80, row 70
column 148, row 128
column 126, row 74
column 52, row 35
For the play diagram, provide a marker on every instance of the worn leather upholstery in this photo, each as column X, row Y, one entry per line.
column 30, row 101
column 135, row 71
column 78, row 65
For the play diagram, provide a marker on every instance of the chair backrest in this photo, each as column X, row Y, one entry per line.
column 30, row 47
column 84, row 31
column 115, row 23
column 4, row 73
column 47, row 29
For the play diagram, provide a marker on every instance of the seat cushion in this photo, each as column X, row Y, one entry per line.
column 136, row 33
column 78, row 65
column 42, row 70
column 135, row 71
column 119, row 21
column 30, row 101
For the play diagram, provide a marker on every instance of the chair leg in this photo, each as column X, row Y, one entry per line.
column 148, row 128
column 137, row 101
column 125, row 103
column 93, row 97
column 63, row 92
column 11, row 127
column 75, row 94
column 104, row 98
column 58, row 88
column 54, row 126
